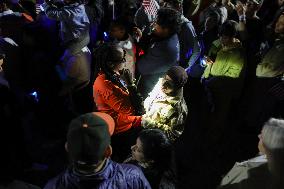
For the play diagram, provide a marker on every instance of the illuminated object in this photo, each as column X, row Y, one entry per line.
column 34, row 96
column 106, row 36
column 203, row 62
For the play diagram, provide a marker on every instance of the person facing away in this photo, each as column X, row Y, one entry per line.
column 88, row 146
column 163, row 52
column 266, row 170
column 165, row 107
column 153, row 154
column 74, row 67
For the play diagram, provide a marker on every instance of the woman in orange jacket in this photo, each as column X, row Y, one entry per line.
column 111, row 95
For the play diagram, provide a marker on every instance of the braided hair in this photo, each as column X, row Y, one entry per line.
column 106, row 57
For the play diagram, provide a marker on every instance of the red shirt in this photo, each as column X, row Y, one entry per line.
column 111, row 99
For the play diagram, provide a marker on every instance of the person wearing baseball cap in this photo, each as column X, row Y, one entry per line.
column 89, row 149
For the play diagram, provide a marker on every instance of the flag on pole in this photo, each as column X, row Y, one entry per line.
column 150, row 7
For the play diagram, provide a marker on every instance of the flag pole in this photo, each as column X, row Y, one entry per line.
column 113, row 12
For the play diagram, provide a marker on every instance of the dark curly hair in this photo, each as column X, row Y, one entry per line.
column 106, row 57
column 169, row 18
column 156, row 146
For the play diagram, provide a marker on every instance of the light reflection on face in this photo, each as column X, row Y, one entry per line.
column 167, row 85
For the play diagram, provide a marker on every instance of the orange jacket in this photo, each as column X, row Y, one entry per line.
column 111, row 99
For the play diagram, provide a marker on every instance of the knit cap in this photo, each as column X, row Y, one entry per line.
column 178, row 75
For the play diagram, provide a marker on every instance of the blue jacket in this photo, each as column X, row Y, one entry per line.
column 73, row 19
column 113, row 175
column 189, row 46
column 161, row 56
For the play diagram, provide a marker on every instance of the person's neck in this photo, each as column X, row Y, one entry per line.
column 92, row 170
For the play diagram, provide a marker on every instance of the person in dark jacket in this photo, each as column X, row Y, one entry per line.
column 190, row 48
column 88, row 146
column 164, row 49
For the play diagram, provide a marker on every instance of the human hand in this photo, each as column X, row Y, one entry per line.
column 240, row 8
column 137, row 33
column 126, row 75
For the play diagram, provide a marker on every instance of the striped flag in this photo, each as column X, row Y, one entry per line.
column 150, row 7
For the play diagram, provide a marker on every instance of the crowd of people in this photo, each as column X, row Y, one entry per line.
column 134, row 94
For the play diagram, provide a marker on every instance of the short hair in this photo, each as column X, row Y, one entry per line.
column 273, row 134
column 228, row 28
column 273, row 142
column 170, row 19
column 156, row 146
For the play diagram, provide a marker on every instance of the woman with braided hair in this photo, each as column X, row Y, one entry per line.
column 112, row 95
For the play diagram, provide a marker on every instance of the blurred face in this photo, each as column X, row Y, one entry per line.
column 119, row 65
column 260, row 144
column 117, row 32
column 167, row 85
column 225, row 2
column 159, row 31
column 226, row 40
column 210, row 23
column 279, row 26
column 137, row 151
column 251, row 7
column 280, row 2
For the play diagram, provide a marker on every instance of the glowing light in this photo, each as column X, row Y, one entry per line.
column 34, row 95
column 203, row 62
column 106, row 37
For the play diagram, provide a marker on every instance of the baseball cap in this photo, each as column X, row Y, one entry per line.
column 88, row 137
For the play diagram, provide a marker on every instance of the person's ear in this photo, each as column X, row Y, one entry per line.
column 108, row 151
column 66, row 146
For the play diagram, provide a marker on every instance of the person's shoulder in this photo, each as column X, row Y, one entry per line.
column 134, row 177
column 247, row 172
column 101, row 80
column 131, row 170
column 60, row 180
